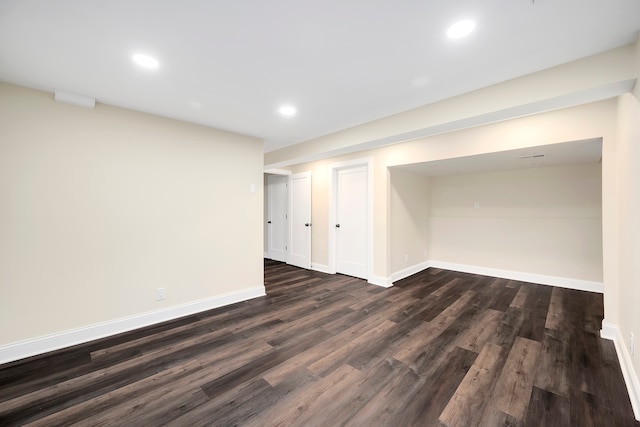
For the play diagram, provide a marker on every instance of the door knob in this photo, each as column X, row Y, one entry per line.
column 268, row 222
column 337, row 225
column 308, row 224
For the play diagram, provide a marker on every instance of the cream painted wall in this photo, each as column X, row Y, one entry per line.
column 542, row 220
column 629, row 220
column 409, row 219
column 100, row 207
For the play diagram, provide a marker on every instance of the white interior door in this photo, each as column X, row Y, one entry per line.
column 277, row 207
column 300, row 220
column 351, row 222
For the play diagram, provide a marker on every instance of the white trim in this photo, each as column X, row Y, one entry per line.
column 385, row 282
column 333, row 203
column 612, row 332
column 309, row 176
column 275, row 171
column 47, row 343
column 409, row 271
column 541, row 279
column 609, row 331
column 269, row 229
column 320, row 267
column 266, row 255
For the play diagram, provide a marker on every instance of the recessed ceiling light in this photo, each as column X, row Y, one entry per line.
column 461, row 29
column 145, row 61
column 287, row 110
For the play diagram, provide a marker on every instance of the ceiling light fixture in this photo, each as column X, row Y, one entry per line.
column 145, row 61
column 461, row 29
column 287, row 110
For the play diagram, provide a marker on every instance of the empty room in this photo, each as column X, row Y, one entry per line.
column 319, row 213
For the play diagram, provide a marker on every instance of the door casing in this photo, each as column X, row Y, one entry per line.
column 277, row 217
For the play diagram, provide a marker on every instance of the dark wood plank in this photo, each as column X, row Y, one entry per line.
column 513, row 389
column 310, row 407
column 360, row 393
column 439, row 387
column 468, row 403
column 493, row 418
column 552, row 374
column 547, row 409
column 426, row 333
column 476, row 336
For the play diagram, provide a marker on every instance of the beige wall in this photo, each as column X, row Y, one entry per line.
column 98, row 208
column 544, row 220
column 409, row 219
column 629, row 220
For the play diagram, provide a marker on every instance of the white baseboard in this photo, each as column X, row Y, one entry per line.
column 320, row 267
column 541, row 279
column 409, row 271
column 609, row 331
column 22, row 349
column 612, row 332
column 385, row 282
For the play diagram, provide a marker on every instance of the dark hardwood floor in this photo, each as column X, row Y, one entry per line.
column 438, row 349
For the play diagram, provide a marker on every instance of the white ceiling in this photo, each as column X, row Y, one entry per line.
column 231, row 64
column 573, row 152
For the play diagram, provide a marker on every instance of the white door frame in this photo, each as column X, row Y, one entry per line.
column 333, row 210
column 287, row 173
column 291, row 256
column 277, row 218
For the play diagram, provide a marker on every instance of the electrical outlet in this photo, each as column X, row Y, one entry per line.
column 406, row 258
column 159, row 294
column 476, row 205
column 632, row 344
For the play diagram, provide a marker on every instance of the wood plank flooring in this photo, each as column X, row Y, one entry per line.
column 440, row 348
